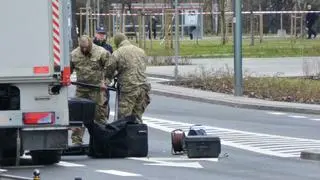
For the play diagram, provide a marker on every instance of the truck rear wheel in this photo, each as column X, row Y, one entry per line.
column 46, row 157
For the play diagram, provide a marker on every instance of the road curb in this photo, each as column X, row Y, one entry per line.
column 238, row 104
column 310, row 155
column 160, row 76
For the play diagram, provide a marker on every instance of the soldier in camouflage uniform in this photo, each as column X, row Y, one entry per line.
column 129, row 62
column 88, row 61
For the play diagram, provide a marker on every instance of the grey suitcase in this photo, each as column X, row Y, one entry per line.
column 202, row 146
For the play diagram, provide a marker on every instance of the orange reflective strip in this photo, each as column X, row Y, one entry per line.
column 66, row 76
column 41, row 70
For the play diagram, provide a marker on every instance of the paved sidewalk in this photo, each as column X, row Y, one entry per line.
column 265, row 66
column 288, row 66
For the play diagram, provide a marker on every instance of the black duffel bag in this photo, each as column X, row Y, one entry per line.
column 120, row 139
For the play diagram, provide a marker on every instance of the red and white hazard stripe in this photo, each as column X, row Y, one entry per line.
column 56, row 32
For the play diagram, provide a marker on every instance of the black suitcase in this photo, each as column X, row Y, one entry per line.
column 81, row 111
column 122, row 138
column 202, row 146
column 130, row 141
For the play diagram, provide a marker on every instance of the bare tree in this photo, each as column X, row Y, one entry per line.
column 251, row 23
column 223, row 21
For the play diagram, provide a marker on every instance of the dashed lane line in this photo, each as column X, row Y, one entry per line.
column 118, row 173
column 256, row 142
column 68, row 164
column 297, row 117
column 276, row 113
column 293, row 116
column 61, row 163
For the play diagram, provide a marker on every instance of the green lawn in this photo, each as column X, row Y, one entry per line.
column 213, row 48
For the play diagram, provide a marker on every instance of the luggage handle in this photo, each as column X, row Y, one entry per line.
column 114, row 87
column 108, row 88
column 142, row 132
column 114, row 127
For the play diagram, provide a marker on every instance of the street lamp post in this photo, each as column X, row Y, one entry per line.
column 238, row 80
column 176, row 40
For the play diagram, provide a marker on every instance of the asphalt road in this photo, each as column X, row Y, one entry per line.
column 248, row 138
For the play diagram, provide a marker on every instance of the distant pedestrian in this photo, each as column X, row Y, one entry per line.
column 311, row 19
column 153, row 28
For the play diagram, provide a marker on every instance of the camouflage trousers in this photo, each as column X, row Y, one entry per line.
column 101, row 114
column 134, row 103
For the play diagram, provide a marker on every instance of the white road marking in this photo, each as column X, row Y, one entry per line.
column 174, row 164
column 3, row 170
column 294, row 116
column 255, row 142
column 229, row 138
column 276, row 113
column 161, row 79
column 118, row 173
column 178, row 158
column 298, row 117
column 68, row 164
column 168, row 162
column 61, row 163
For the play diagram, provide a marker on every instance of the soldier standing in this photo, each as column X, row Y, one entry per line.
column 129, row 62
column 88, row 61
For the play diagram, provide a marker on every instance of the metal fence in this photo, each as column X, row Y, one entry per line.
column 202, row 24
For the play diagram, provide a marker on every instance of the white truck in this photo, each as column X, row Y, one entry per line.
column 34, row 78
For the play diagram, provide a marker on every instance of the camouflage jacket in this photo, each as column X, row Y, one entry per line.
column 129, row 62
column 90, row 69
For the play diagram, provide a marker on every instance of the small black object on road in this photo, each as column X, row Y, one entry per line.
column 197, row 144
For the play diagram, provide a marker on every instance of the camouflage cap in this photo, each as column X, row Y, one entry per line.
column 118, row 38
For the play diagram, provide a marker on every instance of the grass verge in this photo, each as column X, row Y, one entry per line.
column 214, row 49
column 300, row 90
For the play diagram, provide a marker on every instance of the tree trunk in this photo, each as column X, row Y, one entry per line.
column 74, row 34
column 107, row 23
column 132, row 20
column 251, row 23
column 223, row 21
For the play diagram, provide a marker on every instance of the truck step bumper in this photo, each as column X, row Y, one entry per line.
column 44, row 138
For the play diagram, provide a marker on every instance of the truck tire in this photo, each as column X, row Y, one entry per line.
column 8, row 157
column 46, row 157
